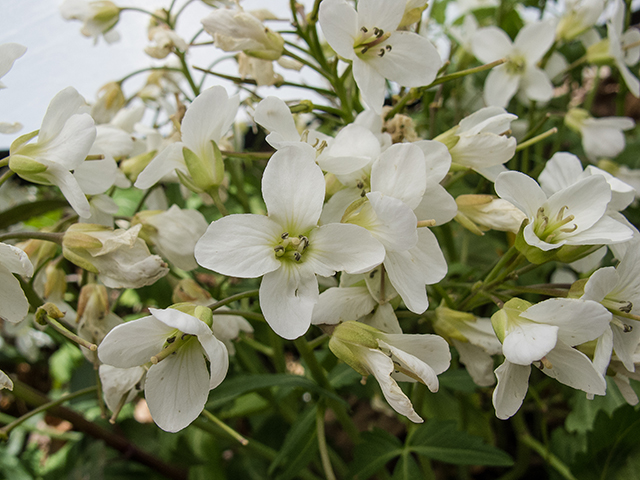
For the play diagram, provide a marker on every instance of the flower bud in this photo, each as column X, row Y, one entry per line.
column 188, row 290
column 110, row 101
column 575, row 117
column 480, row 213
column 200, row 312
column 598, row 53
column 205, row 173
column 448, row 321
column 132, row 166
column 449, row 138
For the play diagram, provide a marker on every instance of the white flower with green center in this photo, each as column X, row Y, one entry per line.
column 368, row 38
column 543, row 335
column 287, row 247
column 575, row 215
column 13, row 302
column 520, row 72
column 176, row 347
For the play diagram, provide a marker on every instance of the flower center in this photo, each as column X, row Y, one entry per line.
column 547, row 227
column 370, row 42
column 291, row 247
column 516, row 65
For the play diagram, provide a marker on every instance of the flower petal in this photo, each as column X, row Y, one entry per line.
column 293, row 189
column 534, row 40
column 240, row 245
column 177, row 388
column 400, row 172
column 339, row 22
column 522, row 191
column 287, row 298
column 65, row 104
column 274, row 115
column 500, row 86
column 370, row 83
column 513, row 383
column 164, row 163
column 573, row 368
column 490, row 44
column 527, row 342
column 536, row 85
column 13, row 302
column 337, row 305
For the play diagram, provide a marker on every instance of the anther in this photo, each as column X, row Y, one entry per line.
column 360, row 184
column 381, row 52
column 279, row 250
column 627, row 328
column 297, row 256
column 388, row 47
column 364, row 50
column 285, row 235
column 627, row 307
column 378, row 32
column 364, row 30
column 171, row 339
column 561, row 212
column 373, row 273
column 315, row 143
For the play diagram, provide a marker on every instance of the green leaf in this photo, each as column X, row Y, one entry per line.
column 439, row 440
column 377, row 448
column 233, row 388
column 25, row 211
column 583, row 412
column 302, row 431
column 407, row 468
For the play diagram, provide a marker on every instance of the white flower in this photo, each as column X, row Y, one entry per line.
column 480, row 142
column 369, row 39
column 575, row 215
column 601, row 137
column 174, row 233
column 13, row 302
column 64, row 140
column 164, row 40
column 177, row 385
column 391, row 357
column 618, row 41
column 520, row 72
column 98, row 17
column 287, row 247
column 195, row 156
column 579, row 16
column 480, row 213
column 120, row 385
column 544, row 334
column 120, row 258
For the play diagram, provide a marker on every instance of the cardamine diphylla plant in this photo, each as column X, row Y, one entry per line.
column 419, row 259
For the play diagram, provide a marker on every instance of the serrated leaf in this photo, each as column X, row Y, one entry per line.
column 441, row 441
column 583, row 412
column 233, row 388
column 377, row 448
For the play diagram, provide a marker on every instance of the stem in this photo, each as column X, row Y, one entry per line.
column 233, row 298
column 149, row 69
column 553, row 461
column 264, row 349
column 142, row 10
column 322, row 445
column 228, row 430
column 4, row 431
column 318, row 374
column 536, row 139
column 129, row 450
column 61, row 329
column 187, row 74
column 215, row 196
column 250, row 81
column 4, row 162
column 248, row 155
column 307, row 63
column 6, row 176
column 55, row 237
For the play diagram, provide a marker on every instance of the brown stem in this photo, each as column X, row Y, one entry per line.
column 35, row 399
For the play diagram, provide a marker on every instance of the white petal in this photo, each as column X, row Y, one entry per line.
column 605, row 231
column 513, row 383
column 287, row 298
column 573, row 368
column 491, row 44
column 370, row 83
column 560, row 171
column 9, row 53
column 337, row 305
column 500, row 86
column 625, row 344
column 384, row 14
column 603, row 351
column 134, row 343
column 633, row 84
column 479, row 363
column 494, row 120
column 72, row 143
column 274, row 115
column 430, row 349
column 422, row 370
column 353, row 148
column 437, row 159
column 339, row 23
column 522, row 191
column 293, row 189
column 536, row 84
column 65, row 104
column 96, row 176
column 240, row 246
column 528, row 342
column 335, row 208
column 165, row 162
column 177, row 388
column 579, row 321
column 381, row 367
column 15, row 260
column 413, row 61
column 13, row 303
column 586, row 200
column 534, row 40
column 218, row 357
column 5, row 381
column 394, row 225
column 600, row 141
column 70, row 188
column 400, row 173
column 436, row 204
column 199, row 126
column 341, row 246
column 600, row 283
column 384, row 319
column 483, row 150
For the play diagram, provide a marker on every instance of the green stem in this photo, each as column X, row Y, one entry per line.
column 215, row 196
column 318, row 374
column 6, row 176
column 307, row 63
column 55, row 237
column 226, row 428
column 4, row 162
column 250, row 81
column 61, row 329
column 148, row 69
column 264, row 349
column 233, row 298
column 187, row 73
column 553, row 461
column 247, row 155
column 536, row 139
column 241, row 313
column 6, row 430
column 322, row 445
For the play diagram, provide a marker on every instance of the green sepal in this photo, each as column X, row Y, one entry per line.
column 511, row 310
column 533, row 254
